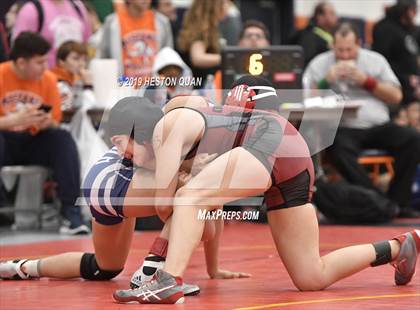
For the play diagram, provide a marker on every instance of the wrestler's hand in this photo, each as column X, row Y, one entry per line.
column 201, row 161
column 183, row 178
column 226, row 274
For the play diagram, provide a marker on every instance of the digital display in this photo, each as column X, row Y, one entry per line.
column 256, row 67
column 282, row 65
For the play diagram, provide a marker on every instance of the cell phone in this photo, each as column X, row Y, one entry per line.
column 45, row 108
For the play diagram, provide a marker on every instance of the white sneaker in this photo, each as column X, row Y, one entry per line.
column 79, row 230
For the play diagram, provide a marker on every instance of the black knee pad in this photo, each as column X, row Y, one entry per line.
column 90, row 270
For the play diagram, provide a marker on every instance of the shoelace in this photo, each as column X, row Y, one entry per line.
column 136, row 280
column 143, row 285
column 18, row 269
column 397, row 262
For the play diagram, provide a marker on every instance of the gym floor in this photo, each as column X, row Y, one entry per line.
column 246, row 247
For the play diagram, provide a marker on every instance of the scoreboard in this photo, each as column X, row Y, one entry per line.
column 282, row 65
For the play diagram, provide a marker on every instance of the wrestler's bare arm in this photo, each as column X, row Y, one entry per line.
column 173, row 137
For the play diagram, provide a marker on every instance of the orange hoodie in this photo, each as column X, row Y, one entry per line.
column 64, row 75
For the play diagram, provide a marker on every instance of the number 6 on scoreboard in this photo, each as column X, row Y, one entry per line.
column 256, row 67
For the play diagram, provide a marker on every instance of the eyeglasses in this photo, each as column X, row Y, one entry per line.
column 257, row 36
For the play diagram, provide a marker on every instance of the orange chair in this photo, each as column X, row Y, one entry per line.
column 376, row 158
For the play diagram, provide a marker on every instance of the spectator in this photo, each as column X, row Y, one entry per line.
column 398, row 38
column 230, row 26
column 74, row 80
column 4, row 44
column 103, row 8
column 408, row 115
column 134, row 35
column 367, row 77
column 97, row 32
column 167, row 8
column 57, row 21
column 413, row 114
column 316, row 38
column 254, row 34
column 169, row 67
column 10, row 17
column 394, row 37
column 198, row 40
column 398, row 115
column 29, row 135
column 6, row 29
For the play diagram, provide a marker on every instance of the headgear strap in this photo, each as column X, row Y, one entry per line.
column 245, row 96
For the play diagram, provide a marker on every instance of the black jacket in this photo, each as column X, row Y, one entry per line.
column 311, row 43
column 400, row 47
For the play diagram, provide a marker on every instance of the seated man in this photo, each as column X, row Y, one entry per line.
column 30, row 112
column 367, row 77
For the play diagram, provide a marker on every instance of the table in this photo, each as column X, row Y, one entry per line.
column 96, row 115
column 317, row 119
column 294, row 114
column 349, row 110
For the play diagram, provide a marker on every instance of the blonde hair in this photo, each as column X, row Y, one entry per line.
column 201, row 23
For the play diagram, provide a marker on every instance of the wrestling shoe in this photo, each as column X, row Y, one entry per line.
column 147, row 270
column 10, row 270
column 145, row 273
column 163, row 288
column 405, row 262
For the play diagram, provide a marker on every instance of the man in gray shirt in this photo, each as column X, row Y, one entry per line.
column 366, row 76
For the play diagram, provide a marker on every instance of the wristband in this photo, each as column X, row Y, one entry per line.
column 323, row 84
column 370, row 84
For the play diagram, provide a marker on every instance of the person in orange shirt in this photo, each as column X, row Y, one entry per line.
column 133, row 35
column 30, row 112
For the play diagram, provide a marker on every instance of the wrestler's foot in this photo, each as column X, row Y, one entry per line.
column 405, row 262
column 163, row 288
column 11, row 270
column 145, row 273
